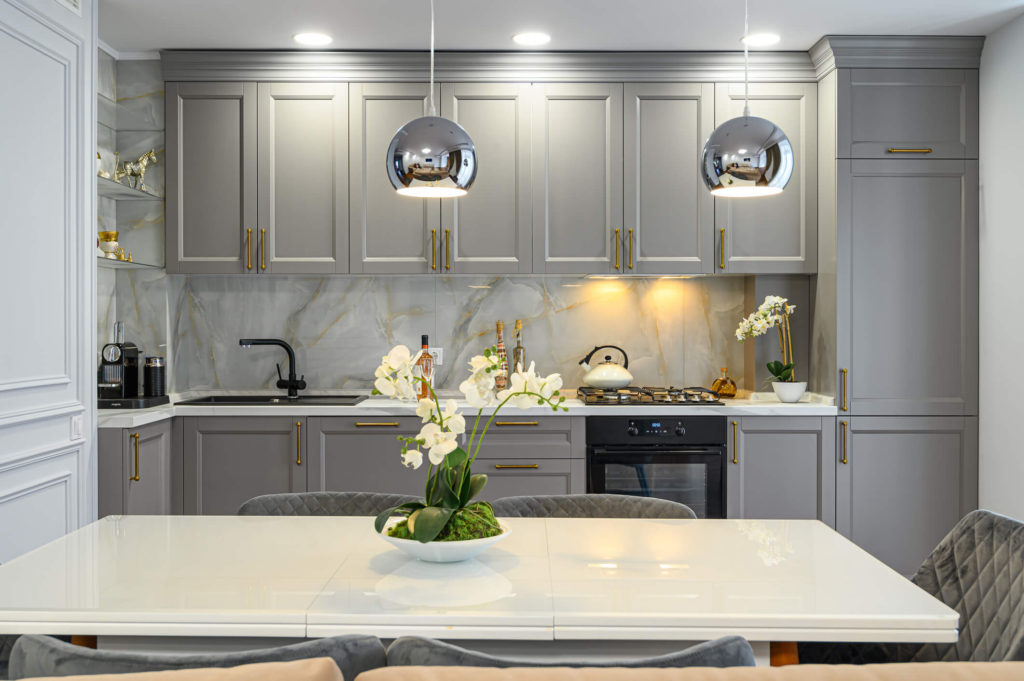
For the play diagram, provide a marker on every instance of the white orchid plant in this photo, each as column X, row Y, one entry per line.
column 446, row 512
column 772, row 313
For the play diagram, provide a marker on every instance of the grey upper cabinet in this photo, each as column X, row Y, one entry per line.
column 136, row 471
column 577, row 178
column 489, row 230
column 773, row 234
column 303, row 178
column 903, row 482
column 388, row 233
column 781, row 468
column 230, row 459
column 362, row 454
column 915, row 113
column 669, row 213
column 907, row 273
column 211, row 177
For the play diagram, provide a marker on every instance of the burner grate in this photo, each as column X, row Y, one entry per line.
column 649, row 395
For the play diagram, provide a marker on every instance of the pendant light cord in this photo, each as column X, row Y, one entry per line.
column 746, row 56
column 433, row 109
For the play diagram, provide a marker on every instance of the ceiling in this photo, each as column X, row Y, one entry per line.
column 149, row 25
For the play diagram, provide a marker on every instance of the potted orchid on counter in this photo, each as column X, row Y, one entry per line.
column 774, row 313
column 447, row 524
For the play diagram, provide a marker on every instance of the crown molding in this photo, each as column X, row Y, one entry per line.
column 232, row 65
column 895, row 52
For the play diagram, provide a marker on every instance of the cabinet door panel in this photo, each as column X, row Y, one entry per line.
column 909, row 227
column 230, row 459
column 303, row 177
column 389, row 233
column 489, row 230
column 508, row 477
column 905, row 483
column 774, row 234
column 883, row 109
column 577, row 171
column 665, row 201
column 151, row 493
column 211, row 177
column 346, row 457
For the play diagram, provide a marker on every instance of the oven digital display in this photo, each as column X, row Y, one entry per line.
column 655, row 424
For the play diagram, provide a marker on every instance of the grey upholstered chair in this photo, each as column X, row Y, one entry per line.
column 590, row 506
column 46, row 656
column 731, row 651
column 978, row 570
column 323, row 503
column 6, row 644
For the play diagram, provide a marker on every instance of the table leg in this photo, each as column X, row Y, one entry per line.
column 84, row 641
column 784, row 653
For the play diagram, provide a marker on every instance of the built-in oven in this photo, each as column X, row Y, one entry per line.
column 679, row 458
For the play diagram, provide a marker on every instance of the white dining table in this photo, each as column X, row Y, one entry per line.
column 553, row 587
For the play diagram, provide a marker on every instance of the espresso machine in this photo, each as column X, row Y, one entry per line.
column 118, row 376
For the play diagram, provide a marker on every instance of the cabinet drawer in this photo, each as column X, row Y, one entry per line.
column 523, row 438
column 517, row 477
column 373, row 424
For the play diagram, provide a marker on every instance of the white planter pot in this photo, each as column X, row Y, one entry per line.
column 789, row 392
column 443, row 551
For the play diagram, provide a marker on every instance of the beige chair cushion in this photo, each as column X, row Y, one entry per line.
column 936, row 671
column 314, row 669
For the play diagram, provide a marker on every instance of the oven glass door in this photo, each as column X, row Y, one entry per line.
column 695, row 477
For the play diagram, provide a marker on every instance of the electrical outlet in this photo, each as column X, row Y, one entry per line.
column 76, row 427
column 438, row 355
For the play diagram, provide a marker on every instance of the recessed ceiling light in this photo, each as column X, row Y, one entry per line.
column 312, row 39
column 760, row 39
column 531, row 38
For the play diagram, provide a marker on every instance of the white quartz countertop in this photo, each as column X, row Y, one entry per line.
column 757, row 404
column 568, row 579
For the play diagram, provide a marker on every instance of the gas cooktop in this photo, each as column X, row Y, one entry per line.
column 648, row 395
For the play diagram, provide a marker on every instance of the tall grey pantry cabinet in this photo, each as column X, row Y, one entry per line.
column 257, row 178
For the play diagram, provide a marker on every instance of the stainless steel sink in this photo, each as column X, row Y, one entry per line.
column 278, row 401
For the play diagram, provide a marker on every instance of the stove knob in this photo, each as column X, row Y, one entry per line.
column 680, row 430
column 632, row 430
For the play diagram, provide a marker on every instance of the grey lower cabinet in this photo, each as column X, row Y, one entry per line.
column 230, row 459
column 781, row 468
column 773, row 234
column 138, row 473
column 903, row 482
column 533, row 455
column 907, row 283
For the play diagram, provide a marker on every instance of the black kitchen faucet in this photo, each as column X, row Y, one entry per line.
column 292, row 384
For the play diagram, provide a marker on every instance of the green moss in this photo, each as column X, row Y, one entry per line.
column 475, row 521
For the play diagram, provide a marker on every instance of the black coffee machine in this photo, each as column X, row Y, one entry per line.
column 118, row 377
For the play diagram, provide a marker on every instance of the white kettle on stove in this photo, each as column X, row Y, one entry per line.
column 607, row 374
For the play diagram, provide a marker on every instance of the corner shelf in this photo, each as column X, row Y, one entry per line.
column 122, row 192
column 112, row 264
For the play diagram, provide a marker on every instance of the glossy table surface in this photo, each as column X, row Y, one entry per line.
column 549, row 579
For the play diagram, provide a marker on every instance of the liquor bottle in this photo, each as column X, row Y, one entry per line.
column 518, row 351
column 425, row 370
column 501, row 375
column 724, row 386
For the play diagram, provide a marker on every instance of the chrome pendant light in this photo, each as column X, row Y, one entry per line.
column 431, row 157
column 747, row 156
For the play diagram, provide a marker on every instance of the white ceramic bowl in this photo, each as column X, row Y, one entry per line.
column 442, row 551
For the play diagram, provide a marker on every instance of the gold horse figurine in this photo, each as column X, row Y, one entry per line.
column 135, row 171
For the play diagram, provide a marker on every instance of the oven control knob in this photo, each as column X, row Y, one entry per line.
column 680, row 430
column 632, row 430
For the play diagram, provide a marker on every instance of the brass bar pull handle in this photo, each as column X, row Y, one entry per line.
column 298, row 443
column 843, row 404
column 263, row 249
column 844, row 425
column 630, row 231
column 721, row 249
column 895, row 150
column 433, row 249
column 376, row 424
column 136, row 477
column 618, row 233
column 517, row 423
column 248, row 248
column 735, row 444
column 503, row 466
column 447, row 249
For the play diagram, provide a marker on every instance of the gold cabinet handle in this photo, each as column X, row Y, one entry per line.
column 721, row 249
column 618, row 232
column 735, row 444
column 447, row 249
column 136, row 477
column 503, row 466
column 433, row 249
column 843, row 404
column 376, row 424
column 843, row 425
column 248, row 248
column 895, row 150
column 298, row 443
column 630, row 232
column 517, row 423
column 263, row 249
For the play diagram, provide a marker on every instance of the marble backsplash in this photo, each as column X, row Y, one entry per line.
column 676, row 331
